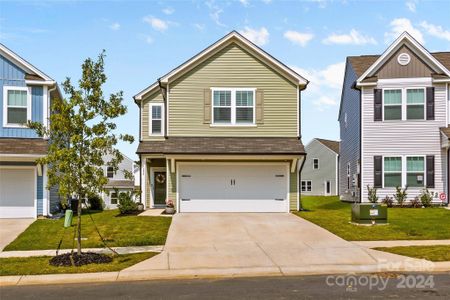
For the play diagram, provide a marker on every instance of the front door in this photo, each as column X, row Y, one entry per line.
column 327, row 187
column 160, row 188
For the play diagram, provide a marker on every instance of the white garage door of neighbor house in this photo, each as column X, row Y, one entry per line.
column 17, row 190
column 252, row 187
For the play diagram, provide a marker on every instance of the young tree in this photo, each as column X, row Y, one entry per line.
column 80, row 133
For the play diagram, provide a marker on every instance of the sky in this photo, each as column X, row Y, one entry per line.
column 146, row 39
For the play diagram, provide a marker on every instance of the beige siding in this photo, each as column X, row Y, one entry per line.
column 155, row 97
column 151, row 164
column 293, row 188
column 232, row 67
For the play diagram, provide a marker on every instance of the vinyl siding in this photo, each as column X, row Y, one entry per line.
column 403, row 138
column 350, row 135
column 151, row 164
column 54, row 199
column 155, row 97
column 125, row 164
column 293, row 188
column 232, row 67
column 40, row 195
column 326, row 172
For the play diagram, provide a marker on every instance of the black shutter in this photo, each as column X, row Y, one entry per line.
column 430, row 103
column 378, row 105
column 378, row 171
column 430, row 171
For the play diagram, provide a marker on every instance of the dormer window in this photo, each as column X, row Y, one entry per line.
column 233, row 106
column 16, row 106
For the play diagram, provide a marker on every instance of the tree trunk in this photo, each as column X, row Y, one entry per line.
column 79, row 227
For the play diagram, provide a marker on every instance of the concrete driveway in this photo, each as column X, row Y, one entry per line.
column 268, row 241
column 11, row 228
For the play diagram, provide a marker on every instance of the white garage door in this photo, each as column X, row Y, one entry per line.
column 255, row 187
column 17, row 189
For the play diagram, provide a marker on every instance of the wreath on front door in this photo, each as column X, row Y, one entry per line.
column 160, row 178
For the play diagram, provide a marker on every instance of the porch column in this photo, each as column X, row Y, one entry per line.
column 45, row 193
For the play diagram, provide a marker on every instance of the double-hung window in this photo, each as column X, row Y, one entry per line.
column 392, row 171
column 110, row 172
column 16, row 106
column 316, row 164
column 392, row 104
column 156, row 123
column 415, row 171
column 233, row 106
column 415, row 104
column 404, row 104
column 306, row 185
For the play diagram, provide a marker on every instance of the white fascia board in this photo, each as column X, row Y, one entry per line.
column 145, row 91
column 39, row 82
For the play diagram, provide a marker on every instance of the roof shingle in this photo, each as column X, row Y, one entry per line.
column 333, row 145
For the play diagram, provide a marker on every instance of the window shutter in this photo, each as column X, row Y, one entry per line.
column 207, row 106
column 378, row 171
column 430, row 103
column 430, row 171
column 378, row 105
column 259, row 113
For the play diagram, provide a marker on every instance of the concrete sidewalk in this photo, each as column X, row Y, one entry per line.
column 120, row 250
column 376, row 244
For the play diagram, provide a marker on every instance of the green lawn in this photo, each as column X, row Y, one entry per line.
column 40, row 265
column 117, row 230
column 404, row 223
column 433, row 253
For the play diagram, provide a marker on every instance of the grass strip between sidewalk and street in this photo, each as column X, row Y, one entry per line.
column 40, row 265
column 432, row 253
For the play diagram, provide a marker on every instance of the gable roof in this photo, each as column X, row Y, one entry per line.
column 370, row 67
column 332, row 145
column 231, row 37
column 32, row 73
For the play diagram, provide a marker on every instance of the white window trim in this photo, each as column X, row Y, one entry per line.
column 318, row 164
column 233, row 107
column 424, row 171
column 5, row 105
column 404, row 103
column 306, row 185
column 404, row 171
column 150, row 119
column 106, row 172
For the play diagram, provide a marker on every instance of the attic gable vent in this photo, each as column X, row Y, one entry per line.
column 404, row 59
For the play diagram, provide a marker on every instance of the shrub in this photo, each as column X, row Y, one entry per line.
column 96, row 203
column 372, row 194
column 426, row 197
column 388, row 201
column 126, row 203
column 416, row 203
column 400, row 195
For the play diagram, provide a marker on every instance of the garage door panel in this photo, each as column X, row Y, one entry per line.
column 17, row 193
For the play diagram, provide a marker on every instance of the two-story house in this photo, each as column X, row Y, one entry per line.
column 319, row 175
column 394, row 120
column 117, row 180
column 221, row 132
column 25, row 94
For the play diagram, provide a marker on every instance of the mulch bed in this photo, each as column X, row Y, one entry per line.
column 64, row 260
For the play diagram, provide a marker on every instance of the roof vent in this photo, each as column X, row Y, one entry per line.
column 404, row 59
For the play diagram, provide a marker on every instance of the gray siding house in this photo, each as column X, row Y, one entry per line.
column 319, row 175
column 394, row 122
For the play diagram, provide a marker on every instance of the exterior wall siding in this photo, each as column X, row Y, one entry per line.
column 326, row 172
column 54, row 199
column 350, row 135
column 40, row 195
column 293, row 190
column 395, row 138
column 153, row 163
column 125, row 164
column 225, row 69
column 155, row 97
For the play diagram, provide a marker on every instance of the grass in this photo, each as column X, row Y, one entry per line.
column 433, row 253
column 40, row 265
column 404, row 223
column 118, row 231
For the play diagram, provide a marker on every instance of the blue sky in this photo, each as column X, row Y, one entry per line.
column 145, row 40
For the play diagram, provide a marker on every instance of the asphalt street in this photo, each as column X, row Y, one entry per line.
column 385, row 286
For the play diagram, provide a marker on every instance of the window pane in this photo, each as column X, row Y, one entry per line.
column 222, row 98
column 393, row 97
column 392, row 112
column 156, row 126
column 414, row 112
column 244, row 115
column 415, row 96
column 392, row 179
column 244, row 98
column 415, row 164
column 222, row 115
column 415, row 179
column 392, row 164
column 17, row 98
column 17, row 115
column 156, row 112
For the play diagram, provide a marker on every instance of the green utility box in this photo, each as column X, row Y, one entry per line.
column 68, row 218
column 369, row 213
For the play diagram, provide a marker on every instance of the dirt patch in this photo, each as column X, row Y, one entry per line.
column 69, row 259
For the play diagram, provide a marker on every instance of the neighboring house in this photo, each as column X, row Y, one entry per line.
column 221, row 132
column 394, row 122
column 319, row 175
column 26, row 93
column 117, row 181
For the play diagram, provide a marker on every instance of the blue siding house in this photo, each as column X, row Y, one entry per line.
column 25, row 94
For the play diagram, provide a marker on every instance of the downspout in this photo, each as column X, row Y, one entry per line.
column 300, row 183
column 164, row 94
column 48, row 108
column 300, row 137
column 355, row 87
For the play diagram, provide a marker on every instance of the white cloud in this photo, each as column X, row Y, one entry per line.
column 114, row 26
column 299, row 38
column 245, row 2
column 266, row 1
column 352, row 38
column 436, row 30
column 400, row 25
column 258, row 36
column 214, row 12
column 199, row 27
column 411, row 5
column 324, row 102
column 156, row 23
column 168, row 10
